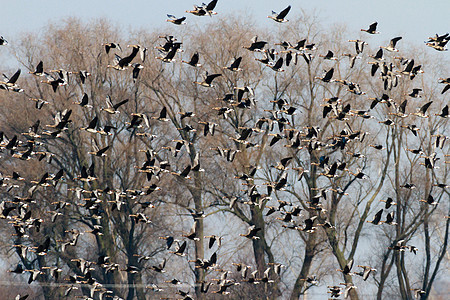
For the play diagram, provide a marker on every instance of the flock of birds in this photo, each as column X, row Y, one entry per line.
column 18, row 211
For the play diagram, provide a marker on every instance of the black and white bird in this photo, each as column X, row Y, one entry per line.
column 280, row 17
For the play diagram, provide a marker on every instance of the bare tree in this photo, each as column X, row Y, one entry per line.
column 269, row 151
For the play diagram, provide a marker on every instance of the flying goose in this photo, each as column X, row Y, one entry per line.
column 392, row 43
column 112, row 108
column 251, row 233
column 194, row 60
column 175, row 20
column 122, row 63
column 39, row 70
column 235, row 65
column 327, row 76
column 207, row 79
column 84, row 101
column 255, row 45
column 198, row 11
column 280, row 17
column 377, row 218
column 372, row 28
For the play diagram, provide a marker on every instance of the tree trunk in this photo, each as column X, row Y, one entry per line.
column 307, row 262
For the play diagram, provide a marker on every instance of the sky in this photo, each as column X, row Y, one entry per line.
column 415, row 20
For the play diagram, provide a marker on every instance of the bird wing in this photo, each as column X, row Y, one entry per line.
column 163, row 113
column 143, row 53
column 288, row 58
column 109, row 102
column 390, row 217
column 394, row 41
column 136, row 71
column 379, row 54
column 211, row 242
column 213, row 258
column 182, row 247
column 236, row 63
column 120, row 103
column 377, row 217
column 93, row 123
column 279, row 63
column 91, row 169
column 40, row 67
column 425, row 107
column 66, row 114
column 103, row 150
column 445, row 111
column 185, row 173
column 210, row 78
column 349, row 265
column 373, row 26
column 84, row 100
column 171, row 54
column 284, row 12
column 127, row 60
column 117, row 59
column 14, row 78
column 329, row 74
column 259, row 44
column 147, row 122
column 211, row 5
column 333, row 169
column 194, row 59
column 409, row 66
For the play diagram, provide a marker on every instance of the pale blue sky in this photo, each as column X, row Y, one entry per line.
column 415, row 20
